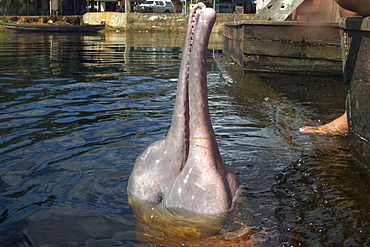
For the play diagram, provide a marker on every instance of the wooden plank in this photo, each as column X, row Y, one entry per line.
column 278, row 10
column 355, row 23
column 284, row 46
column 286, row 64
column 293, row 50
column 233, row 47
column 293, row 31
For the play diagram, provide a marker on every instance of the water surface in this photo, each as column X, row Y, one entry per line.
column 75, row 111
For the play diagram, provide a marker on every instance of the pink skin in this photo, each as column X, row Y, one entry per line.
column 359, row 7
column 185, row 171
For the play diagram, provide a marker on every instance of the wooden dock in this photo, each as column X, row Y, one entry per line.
column 356, row 71
column 284, row 46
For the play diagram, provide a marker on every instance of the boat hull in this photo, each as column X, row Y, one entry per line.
column 53, row 28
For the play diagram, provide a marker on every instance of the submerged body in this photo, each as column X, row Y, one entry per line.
column 185, row 171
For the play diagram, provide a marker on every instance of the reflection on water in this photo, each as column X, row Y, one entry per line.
column 75, row 111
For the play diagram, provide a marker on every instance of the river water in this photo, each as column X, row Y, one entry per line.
column 75, row 112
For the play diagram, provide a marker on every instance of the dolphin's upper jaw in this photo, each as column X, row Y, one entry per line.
column 197, row 11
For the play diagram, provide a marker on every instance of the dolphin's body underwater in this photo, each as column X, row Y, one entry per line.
column 185, row 171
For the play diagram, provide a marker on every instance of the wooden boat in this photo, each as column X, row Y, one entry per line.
column 356, row 69
column 284, row 46
column 53, row 28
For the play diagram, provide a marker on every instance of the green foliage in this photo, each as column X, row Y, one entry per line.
column 10, row 7
column 4, row 20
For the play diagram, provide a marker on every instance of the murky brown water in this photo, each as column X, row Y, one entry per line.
column 75, row 111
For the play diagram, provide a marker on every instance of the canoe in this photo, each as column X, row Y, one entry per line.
column 53, row 28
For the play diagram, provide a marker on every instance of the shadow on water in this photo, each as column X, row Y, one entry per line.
column 322, row 192
column 75, row 112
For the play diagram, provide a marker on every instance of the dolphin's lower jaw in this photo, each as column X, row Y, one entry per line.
column 185, row 171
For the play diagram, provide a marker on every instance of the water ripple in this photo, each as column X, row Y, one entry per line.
column 75, row 112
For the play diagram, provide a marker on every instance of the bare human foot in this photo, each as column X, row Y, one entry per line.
column 338, row 126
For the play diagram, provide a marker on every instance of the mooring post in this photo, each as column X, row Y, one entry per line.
column 355, row 36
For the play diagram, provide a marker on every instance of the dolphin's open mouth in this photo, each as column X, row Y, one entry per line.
column 197, row 11
column 185, row 171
